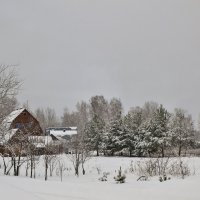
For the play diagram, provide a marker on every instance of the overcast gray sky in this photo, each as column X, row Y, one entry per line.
column 137, row 50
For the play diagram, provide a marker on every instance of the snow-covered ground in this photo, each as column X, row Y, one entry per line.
column 88, row 187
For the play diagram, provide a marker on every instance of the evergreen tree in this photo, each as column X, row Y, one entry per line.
column 132, row 122
column 145, row 140
column 182, row 130
column 154, row 135
column 94, row 133
column 161, row 134
column 114, row 136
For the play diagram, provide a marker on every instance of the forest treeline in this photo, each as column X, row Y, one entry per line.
column 150, row 130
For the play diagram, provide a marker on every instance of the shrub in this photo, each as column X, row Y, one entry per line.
column 164, row 178
column 120, row 178
column 104, row 177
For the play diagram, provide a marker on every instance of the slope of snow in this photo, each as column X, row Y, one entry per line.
column 89, row 188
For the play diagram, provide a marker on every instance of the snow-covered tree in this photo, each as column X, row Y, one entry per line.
column 145, row 140
column 182, row 130
column 161, row 129
column 132, row 122
column 114, row 136
column 153, row 134
column 94, row 131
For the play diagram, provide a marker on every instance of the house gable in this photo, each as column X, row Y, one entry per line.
column 22, row 121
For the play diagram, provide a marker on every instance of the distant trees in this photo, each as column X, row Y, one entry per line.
column 9, row 87
column 69, row 118
column 47, row 117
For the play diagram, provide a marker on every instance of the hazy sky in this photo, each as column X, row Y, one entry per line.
column 137, row 50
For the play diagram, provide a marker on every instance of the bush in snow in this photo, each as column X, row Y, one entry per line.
column 164, row 178
column 162, row 167
column 179, row 168
column 120, row 178
column 104, row 177
column 142, row 178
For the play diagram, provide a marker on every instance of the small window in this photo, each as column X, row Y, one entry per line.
column 19, row 125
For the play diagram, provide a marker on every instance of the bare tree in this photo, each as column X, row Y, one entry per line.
column 149, row 109
column 75, row 156
column 48, row 156
column 53, row 164
column 69, row 118
column 115, row 109
column 9, row 87
column 61, row 167
column 99, row 107
column 47, row 117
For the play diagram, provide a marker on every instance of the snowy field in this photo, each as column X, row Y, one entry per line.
column 88, row 187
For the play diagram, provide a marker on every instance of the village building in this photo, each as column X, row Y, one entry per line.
column 63, row 132
column 21, row 126
column 62, row 137
column 20, row 122
column 16, row 129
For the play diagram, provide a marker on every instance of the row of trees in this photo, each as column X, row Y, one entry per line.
column 144, row 131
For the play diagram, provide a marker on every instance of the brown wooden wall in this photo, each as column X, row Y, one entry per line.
column 27, row 124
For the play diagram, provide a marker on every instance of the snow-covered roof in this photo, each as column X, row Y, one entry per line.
column 8, row 135
column 11, row 117
column 62, row 131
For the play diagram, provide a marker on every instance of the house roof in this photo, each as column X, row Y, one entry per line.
column 11, row 117
column 62, row 131
column 8, row 135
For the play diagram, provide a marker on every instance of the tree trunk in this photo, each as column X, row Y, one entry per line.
column 27, row 169
column 130, row 153
column 31, row 167
column 14, row 166
column 83, row 170
column 34, row 169
column 46, row 170
column 18, row 165
column 97, row 151
column 163, row 152
column 5, row 166
column 76, row 169
column 179, row 150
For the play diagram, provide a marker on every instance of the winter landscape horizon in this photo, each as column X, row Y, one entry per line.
column 99, row 100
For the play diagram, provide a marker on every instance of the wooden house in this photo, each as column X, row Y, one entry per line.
column 17, row 127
